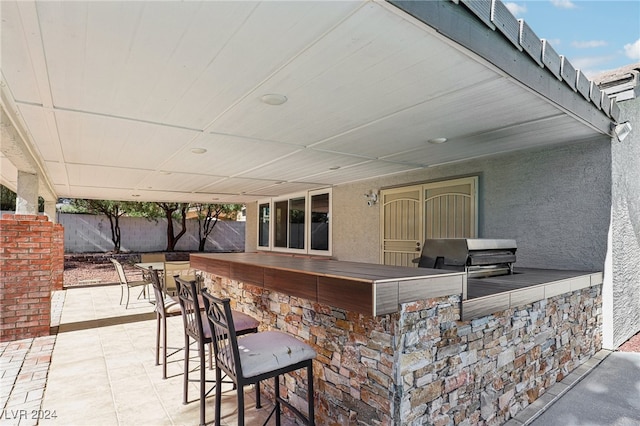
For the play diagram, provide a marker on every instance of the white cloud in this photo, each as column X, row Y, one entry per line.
column 516, row 9
column 591, row 65
column 563, row 4
column 555, row 42
column 588, row 44
column 632, row 50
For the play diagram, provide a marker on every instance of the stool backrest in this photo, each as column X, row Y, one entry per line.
column 157, row 290
column 225, row 341
column 190, row 306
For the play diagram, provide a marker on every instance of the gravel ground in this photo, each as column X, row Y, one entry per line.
column 84, row 273
column 631, row 345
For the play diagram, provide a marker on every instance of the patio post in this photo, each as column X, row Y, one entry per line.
column 31, row 266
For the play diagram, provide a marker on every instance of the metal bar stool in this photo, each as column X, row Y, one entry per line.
column 165, row 306
column 255, row 357
column 196, row 327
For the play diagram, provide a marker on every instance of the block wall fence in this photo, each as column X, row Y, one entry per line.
column 84, row 233
column 31, row 267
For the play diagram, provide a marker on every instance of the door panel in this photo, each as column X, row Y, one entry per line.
column 436, row 210
column 401, row 225
column 450, row 209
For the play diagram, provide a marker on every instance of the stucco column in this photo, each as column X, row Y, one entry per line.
column 27, row 193
column 50, row 210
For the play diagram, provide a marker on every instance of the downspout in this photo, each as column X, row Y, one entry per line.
column 607, row 290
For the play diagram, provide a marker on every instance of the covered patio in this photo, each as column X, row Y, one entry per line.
column 99, row 369
column 297, row 110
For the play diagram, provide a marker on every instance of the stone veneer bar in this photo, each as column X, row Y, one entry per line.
column 421, row 364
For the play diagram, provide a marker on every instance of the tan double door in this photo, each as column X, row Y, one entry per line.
column 414, row 213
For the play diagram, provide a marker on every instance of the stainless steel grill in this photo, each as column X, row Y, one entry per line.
column 479, row 257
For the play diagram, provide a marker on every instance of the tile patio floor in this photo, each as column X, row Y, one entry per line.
column 99, row 370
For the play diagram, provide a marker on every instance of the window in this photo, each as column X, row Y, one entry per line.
column 296, row 223
column 281, row 208
column 320, row 222
column 263, row 225
column 300, row 223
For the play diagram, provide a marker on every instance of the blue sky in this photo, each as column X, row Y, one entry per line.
column 595, row 35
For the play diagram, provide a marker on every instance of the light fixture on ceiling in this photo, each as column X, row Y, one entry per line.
column 273, row 99
column 437, row 141
column 198, row 150
column 622, row 130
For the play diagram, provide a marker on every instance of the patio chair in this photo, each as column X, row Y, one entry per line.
column 182, row 268
column 255, row 357
column 126, row 284
column 151, row 258
column 166, row 306
column 196, row 327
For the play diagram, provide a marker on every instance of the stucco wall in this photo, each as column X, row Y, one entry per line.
column 553, row 201
column 621, row 292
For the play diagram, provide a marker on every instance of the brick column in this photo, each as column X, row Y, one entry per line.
column 28, row 272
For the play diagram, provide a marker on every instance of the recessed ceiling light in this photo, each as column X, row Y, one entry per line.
column 198, row 150
column 273, row 99
column 437, row 140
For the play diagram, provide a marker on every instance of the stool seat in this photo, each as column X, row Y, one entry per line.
column 270, row 350
column 242, row 322
column 172, row 305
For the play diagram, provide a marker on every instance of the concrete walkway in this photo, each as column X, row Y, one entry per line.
column 608, row 396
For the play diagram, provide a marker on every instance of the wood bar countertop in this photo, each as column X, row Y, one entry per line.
column 366, row 288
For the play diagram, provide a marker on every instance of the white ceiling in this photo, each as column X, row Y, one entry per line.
column 114, row 95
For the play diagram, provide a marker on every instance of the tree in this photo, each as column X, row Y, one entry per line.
column 208, row 216
column 113, row 210
column 180, row 211
column 8, row 200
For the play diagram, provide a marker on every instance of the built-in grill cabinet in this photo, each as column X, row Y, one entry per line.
column 479, row 257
